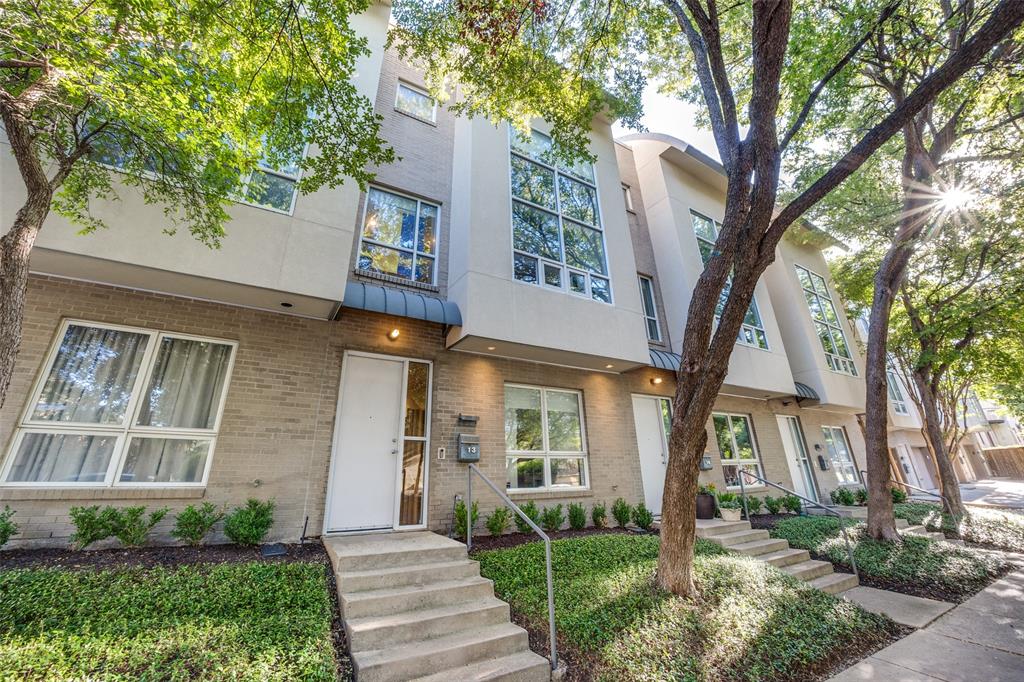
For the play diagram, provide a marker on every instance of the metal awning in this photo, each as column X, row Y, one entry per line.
column 380, row 299
column 806, row 394
column 662, row 359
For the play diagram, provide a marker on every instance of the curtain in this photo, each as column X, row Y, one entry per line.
column 185, row 388
column 62, row 458
column 165, row 460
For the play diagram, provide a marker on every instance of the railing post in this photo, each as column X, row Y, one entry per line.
column 469, row 508
column 551, row 606
column 743, row 494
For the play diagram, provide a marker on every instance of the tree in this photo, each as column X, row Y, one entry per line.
column 752, row 67
column 178, row 101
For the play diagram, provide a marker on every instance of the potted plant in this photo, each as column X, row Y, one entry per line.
column 706, row 501
column 730, row 506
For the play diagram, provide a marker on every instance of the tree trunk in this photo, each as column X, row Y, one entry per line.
column 948, row 483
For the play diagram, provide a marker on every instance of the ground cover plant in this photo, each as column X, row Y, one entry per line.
column 750, row 622
column 917, row 565
column 992, row 528
column 239, row 621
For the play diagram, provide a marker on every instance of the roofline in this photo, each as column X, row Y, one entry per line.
column 682, row 146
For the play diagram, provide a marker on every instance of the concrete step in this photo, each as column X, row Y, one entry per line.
column 921, row 531
column 449, row 653
column 381, row 632
column 419, row 574
column 522, row 667
column 808, row 570
column 902, row 523
column 411, row 597
column 834, row 583
column 954, row 541
column 378, row 550
column 730, row 540
column 785, row 557
column 759, row 547
column 708, row 528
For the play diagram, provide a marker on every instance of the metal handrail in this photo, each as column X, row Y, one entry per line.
column 537, row 529
column 833, row 512
column 945, row 501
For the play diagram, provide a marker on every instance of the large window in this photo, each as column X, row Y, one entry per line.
column 650, row 309
column 415, row 102
column 899, row 405
column 752, row 332
column 557, row 237
column 841, row 455
column 399, row 236
column 826, row 322
column 122, row 406
column 736, row 448
column 544, row 443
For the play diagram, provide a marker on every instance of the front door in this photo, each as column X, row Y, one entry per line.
column 652, row 417
column 378, row 467
column 796, row 456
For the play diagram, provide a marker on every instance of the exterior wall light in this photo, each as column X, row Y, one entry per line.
column 656, row 380
column 394, row 334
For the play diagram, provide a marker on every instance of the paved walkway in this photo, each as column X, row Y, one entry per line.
column 999, row 492
column 981, row 639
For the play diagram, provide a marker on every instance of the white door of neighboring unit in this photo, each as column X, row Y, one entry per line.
column 907, row 464
column 651, row 416
column 378, row 467
column 796, row 456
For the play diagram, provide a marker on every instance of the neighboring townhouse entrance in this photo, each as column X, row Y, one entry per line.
column 796, row 456
column 653, row 419
column 378, row 475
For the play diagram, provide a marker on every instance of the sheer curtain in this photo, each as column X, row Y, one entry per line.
column 62, row 458
column 165, row 460
column 185, row 388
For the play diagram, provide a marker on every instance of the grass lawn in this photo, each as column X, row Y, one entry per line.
column 750, row 622
column 987, row 527
column 916, row 566
column 240, row 621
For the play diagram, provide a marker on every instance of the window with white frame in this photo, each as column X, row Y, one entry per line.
column 415, row 102
column 544, row 442
column 650, row 309
column 122, row 406
column 736, row 448
column 627, row 197
column 273, row 187
column 840, row 454
column 399, row 236
column 752, row 332
column 826, row 322
column 557, row 238
column 899, row 405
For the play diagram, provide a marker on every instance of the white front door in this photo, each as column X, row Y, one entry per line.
column 377, row 453
column 652, row 417
column 796, row 456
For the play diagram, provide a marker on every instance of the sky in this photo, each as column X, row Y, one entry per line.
column 670, row 116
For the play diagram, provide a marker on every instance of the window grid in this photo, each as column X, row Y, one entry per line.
column 841, row 455
column 727, row 438
column 650, row 308
column 417, row 252
column 899, row 405
column 544, row 270
column 826, row 322
column 752, row 332
column 546, row 454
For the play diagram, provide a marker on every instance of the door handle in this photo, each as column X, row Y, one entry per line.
column 394, row 452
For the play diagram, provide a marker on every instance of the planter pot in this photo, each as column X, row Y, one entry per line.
column 731, row 514
column 705, row 506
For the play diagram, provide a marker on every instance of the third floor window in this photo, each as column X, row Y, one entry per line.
column 899, row 405
column 826, row 322
column 650, row 309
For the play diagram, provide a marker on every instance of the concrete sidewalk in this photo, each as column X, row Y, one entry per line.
column 981, row 639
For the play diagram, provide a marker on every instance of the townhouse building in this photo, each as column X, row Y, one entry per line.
column 343, row 347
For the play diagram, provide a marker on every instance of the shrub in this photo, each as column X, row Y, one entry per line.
column 193, row 524
column 860, row 495
column 248, row 525
column 843, row 497
column 552, row 518
column 130, row 525
column 92, row 524
column 497, row 522
column 643, row 517
column 621, row 512
column 899, row 496
column 530, row 509
column 708, row 489
column 460, row 518
column 792, row 503
column 577, row 516
column 599, row 515
column 754, row 504
column 773, row 505
column 8, row 528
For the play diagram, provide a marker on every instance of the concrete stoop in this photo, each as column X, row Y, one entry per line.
column 737, row 536
column 901, row 524
column 415, row 607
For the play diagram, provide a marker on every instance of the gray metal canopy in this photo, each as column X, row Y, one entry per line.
column 662, row 359
column 380, row 299
column 806, row 393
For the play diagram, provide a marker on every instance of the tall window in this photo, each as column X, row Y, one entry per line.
column 736, row 448
column 415, row 102
column 899, row 405
column 840, row 453
column 544, row 442
column 399, row 236
column 650, row 309
column 122, row 406
column 557, row 237
column 826, row 322
column 752, row 332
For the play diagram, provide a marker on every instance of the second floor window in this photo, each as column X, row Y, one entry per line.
column 826, row 322
column 752, row 332
column 399, row 236
column 899, row 405
column 650, row 309
column 557, row 239
column 415, row 102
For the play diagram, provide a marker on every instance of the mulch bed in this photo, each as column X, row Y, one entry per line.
column 483, row 543
column 767, row 521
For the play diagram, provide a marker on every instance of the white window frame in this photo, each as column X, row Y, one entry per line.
column 415, row 252
column 736, row 461
column 843, row 469
column 899, row 403
column 547, row 454
column 126, row 431
column 650, row 315
column 753, row 329
column 409, row 86
column 628, row 197
column 566, row 270
column 834, row 361
column 263, row 168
